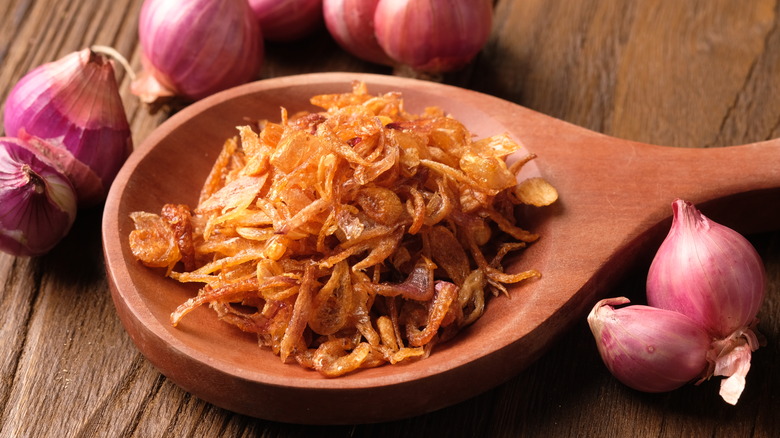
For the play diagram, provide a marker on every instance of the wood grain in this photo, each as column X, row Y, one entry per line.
column 690, row 74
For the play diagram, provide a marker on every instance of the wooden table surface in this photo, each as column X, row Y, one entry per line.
column 694, row 73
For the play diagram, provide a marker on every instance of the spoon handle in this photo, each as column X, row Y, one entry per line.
column 634, row 183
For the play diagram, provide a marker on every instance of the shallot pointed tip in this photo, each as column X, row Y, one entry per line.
column 114, row 54
column 597, row 308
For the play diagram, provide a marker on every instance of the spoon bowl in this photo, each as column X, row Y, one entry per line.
column 615, row 203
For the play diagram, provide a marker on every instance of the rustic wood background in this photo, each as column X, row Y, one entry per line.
column 695, row 73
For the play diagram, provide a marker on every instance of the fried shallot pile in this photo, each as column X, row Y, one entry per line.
column 351, row 237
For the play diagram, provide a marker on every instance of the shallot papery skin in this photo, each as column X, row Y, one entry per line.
column 649, row 349
column 74, row 105
column 288, row 20
column 37, row 202
column 708, row 272
column 195, row 48
column 433, row 36
column 351, row 24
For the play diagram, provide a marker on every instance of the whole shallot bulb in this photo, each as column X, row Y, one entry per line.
column 72, row 111
column 649, row 349
column 194, row 48
column 433, row 36
column 351, row 24
column 713, row 275
column 287, row 20
column 37, row 202
column 705, row 287
column 707, row 271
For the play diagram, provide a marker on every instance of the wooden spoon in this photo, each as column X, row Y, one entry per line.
column 615, row 204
